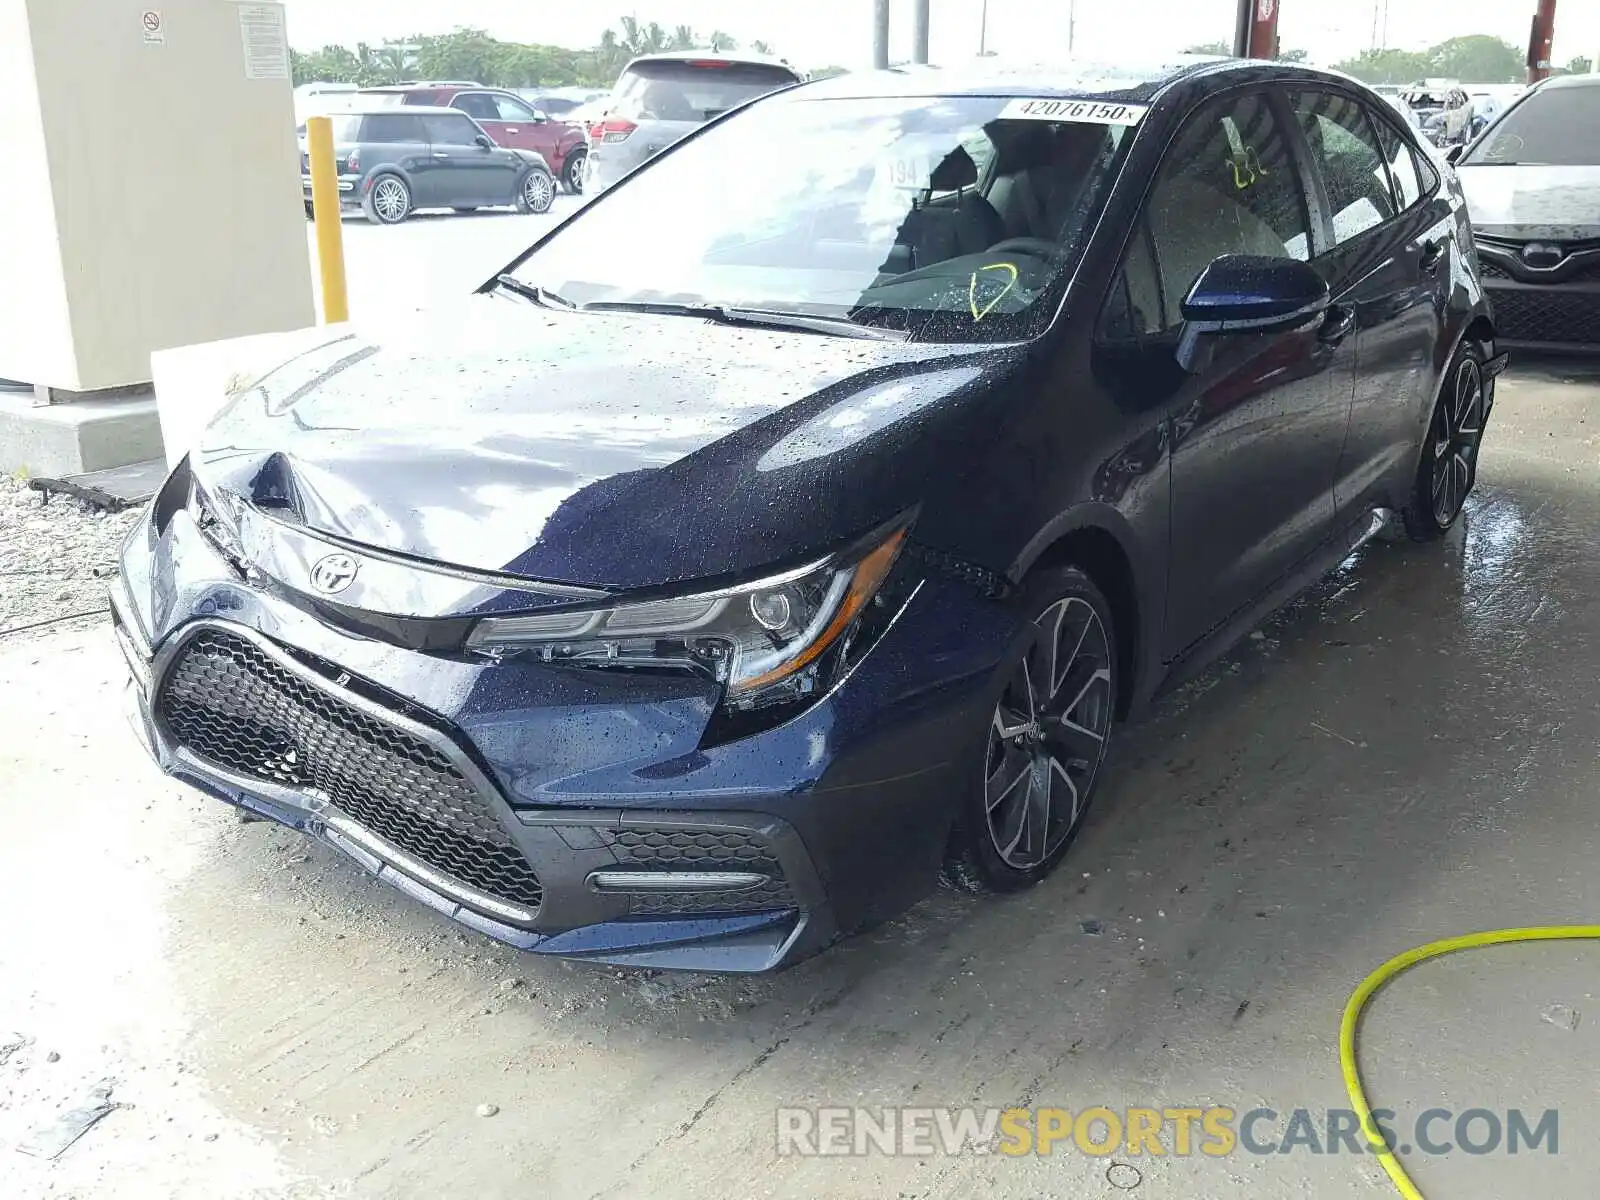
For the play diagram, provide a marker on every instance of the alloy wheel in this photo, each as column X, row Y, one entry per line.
column 539, row 191
column 1049, row 734
column 390, row 199
column 1457, row 430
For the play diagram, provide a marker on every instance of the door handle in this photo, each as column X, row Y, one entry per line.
column 512, row 129
column 1341, row 319
column 1432, row 256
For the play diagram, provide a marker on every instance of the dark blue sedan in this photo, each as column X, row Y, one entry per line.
column 794, row 525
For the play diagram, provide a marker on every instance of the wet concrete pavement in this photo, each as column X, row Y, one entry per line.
column 1407, row 753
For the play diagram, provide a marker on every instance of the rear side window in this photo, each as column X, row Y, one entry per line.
column 450, row 129
column 692, row 89
column 388, row 128
column 1402, row 164
column 1345, row 147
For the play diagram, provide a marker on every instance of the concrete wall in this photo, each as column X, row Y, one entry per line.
column 35, row 326
column 172, row 184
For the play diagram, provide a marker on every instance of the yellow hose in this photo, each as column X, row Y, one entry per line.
column 1400, row 962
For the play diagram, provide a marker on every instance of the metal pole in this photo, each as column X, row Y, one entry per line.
column 880, row 33
column 1072, row 25
column 1540, row 40
column 919, row 30
column 325, row 212
column 1242, row 16
column 983, row 30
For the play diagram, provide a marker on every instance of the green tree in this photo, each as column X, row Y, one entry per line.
column 1210, row 48
column 683, row 38
column 1579, row 66
column 1478, row 58
column 1293, row 56
column 761, row 47
column 722, row 43
column 1388, row 66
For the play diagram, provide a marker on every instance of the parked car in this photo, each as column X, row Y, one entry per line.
column 559, row 103
column 660, row 98
column 1444, row 110
column 688, row 601
column 393, row 162
column 506, row 117
column 1533, row 187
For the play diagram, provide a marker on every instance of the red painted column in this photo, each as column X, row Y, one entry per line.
column 1539, row 42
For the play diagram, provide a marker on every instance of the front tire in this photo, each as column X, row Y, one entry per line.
column 572, row 173
column 388, row 200
column 536, row 193
column 1448, row 465
column 1054, row 702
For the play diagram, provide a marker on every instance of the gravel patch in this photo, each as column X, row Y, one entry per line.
column 56, row 559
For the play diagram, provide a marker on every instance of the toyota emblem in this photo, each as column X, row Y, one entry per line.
column 334, row 573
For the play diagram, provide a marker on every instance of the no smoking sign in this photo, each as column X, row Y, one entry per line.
column 155, row 29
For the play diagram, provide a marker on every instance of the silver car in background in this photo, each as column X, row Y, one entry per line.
column 1532, row 181
column 660, row 98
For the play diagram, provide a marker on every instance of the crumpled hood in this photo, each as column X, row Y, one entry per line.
column 611, row 450
column 1533, row 202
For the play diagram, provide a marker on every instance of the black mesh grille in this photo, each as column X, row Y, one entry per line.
column 703, row 850
column 1491, row 270
column 1547, row 315
column 229, row 703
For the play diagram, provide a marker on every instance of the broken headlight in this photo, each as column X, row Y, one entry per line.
column 769, row 641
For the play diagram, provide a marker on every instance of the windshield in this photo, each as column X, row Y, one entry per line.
column 1424, row 99
column 1558, row 127
column 952, row 219
column 692, row 90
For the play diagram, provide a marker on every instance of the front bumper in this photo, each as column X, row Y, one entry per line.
column 649, row 848
column 1545, row 316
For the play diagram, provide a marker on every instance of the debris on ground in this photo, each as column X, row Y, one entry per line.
column 1092, row 927
column 10, row 1043
column 56, row 559
column 488, row 1110
column 52, row 1139
column 1562, row 1017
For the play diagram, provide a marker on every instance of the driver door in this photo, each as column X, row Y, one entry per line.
column 1255, row 433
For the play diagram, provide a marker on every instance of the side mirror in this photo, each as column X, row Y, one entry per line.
column 1246, row 293
column 1453, row 155
column 484, row 140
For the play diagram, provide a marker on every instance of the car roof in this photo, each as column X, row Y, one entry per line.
column 1067, row 79
column 405, row 110
column 1571, row 81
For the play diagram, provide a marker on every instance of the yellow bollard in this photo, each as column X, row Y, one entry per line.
column 325, row 214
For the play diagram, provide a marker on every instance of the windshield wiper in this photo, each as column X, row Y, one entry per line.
column 758, row 318
column 532, row 292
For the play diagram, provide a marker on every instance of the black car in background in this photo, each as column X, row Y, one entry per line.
column 794, row 522
column 1533, row 188
column 393, row 162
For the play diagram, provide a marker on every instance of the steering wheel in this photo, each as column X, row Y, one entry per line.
column 1037, row 247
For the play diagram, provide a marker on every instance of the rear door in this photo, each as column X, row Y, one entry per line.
column 398, row 140
column 1256, row 435
column 1389, row 265
column 470, row 173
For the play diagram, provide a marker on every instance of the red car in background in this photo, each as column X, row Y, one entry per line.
column 506, row 117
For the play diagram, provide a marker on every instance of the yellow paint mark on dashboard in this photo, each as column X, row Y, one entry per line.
column 979, row 314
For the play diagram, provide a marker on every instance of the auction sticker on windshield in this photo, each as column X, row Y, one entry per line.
column 1089, row 112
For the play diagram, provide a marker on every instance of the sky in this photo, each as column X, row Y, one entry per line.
column 813, row 33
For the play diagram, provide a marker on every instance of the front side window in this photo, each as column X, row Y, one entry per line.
column 945, row 217
column 1344, row 146
column 476, row 104
column 445, row 129
column 1551, row 126
column 1229, row 186
column 507, row 108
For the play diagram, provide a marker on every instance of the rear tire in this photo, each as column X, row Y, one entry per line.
column 388, row 200
column 1037, row 762
column 1447, row 466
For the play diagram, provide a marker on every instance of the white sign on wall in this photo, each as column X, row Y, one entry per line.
column 154, row 26
column 266, row 43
